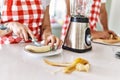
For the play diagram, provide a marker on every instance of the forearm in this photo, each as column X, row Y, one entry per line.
column 103, row 17
column 46, row 27
column 68, row 6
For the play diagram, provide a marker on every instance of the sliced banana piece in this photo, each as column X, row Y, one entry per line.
column 38, row 49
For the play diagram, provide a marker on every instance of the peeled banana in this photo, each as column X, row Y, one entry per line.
column 81, row 67
column 38, row 49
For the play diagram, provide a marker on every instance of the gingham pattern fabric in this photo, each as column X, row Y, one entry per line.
column 26, row 12
column 95, row 11
column 94, row 14
column 65, row 27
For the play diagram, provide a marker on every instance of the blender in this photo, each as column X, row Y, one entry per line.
column 78, row 37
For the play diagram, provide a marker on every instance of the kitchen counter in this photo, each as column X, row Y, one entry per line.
column 16, row 64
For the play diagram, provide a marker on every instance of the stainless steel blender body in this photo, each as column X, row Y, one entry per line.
column 78, row 37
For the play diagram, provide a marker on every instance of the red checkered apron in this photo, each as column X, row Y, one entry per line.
column 94, row 14
column 93, row 18
column 26, row 12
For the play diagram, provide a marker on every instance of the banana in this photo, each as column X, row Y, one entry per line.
column 81, row 67
column 38, row 49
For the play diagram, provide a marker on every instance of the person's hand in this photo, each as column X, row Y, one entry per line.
column 102, row 34
column 52, row 40
column 20, row 30
column 5, row 32
column 114, row 35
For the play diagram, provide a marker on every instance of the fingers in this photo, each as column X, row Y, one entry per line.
column 30, row 34
column 112, row 33
column 20, row 30
column 53, row 41
column 58, row 42
column 25, row 35
column 50, row 39
column 108, row 35
column 19, row 34
column 100, row 35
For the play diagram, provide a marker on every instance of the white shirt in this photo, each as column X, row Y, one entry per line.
column 103, row 1
column 45, row 3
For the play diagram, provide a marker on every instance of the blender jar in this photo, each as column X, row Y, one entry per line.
column 80, row 7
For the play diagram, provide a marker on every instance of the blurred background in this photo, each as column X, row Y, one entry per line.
column 114, row 18
column 58, row 11
column 57, row 15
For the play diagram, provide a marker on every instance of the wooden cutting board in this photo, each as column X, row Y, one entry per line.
column 107, row 41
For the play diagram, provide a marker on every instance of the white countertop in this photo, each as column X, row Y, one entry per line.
column 15, row 64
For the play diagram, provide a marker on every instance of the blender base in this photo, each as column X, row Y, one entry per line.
column 76, row 50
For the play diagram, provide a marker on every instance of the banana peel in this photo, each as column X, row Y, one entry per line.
column 78, row 64
column 56, row 63
column 80, row 60
column 69, row 69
